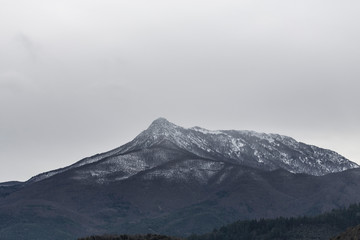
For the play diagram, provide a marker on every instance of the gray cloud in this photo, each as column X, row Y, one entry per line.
column 80, row 77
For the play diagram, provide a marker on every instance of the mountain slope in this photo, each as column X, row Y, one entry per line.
column 151, row 202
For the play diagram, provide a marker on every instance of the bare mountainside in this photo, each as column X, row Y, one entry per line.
column 178, row 181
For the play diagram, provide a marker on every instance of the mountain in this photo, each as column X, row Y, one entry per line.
column 246, row 148
column 178, row 181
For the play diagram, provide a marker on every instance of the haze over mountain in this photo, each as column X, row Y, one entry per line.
column 174, row 180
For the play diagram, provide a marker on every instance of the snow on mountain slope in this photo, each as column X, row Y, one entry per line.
column 164, row 142
column 249, row 148
column 189, row 170
column 123, row 166
column 80, row 163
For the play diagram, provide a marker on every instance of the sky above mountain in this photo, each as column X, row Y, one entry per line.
column 82, row 77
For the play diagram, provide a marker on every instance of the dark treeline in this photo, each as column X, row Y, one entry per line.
column 322, row 226
column 131, row 237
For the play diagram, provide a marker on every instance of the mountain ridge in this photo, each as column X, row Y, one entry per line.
column 244, row 147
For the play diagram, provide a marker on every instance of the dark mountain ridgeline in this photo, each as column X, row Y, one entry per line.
column 177, row 181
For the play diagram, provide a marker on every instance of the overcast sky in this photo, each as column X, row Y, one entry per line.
column 79, row 77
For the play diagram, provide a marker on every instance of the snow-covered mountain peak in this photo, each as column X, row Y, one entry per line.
column 206, row 131
column 161, row 122
column 161, row 126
